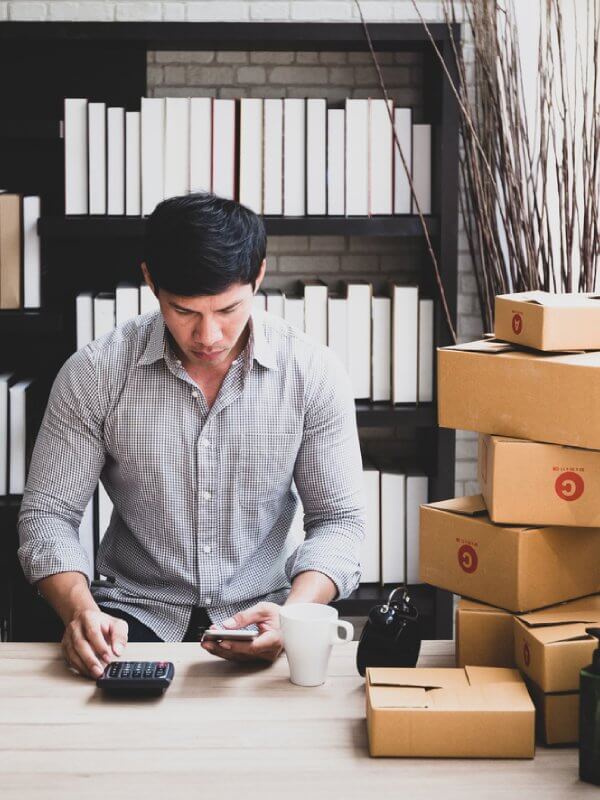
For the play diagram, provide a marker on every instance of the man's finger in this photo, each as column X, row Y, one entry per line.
column 94, row 636
column 73, row 659
column 118, row 632
column 250, row 616
column 86, row 654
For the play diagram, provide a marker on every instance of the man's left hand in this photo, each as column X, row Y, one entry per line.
column 266, row 647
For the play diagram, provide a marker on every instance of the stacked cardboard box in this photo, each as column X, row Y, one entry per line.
column 532, row 540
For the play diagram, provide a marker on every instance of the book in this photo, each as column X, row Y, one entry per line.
column 416, row 496
column 104, row 314
column 275, row 301
column 5, row 380
column 86, row 537
column 315, row 309
column 10, row 251
column 133, row 175
column 32, row 270
column 336, row 161
column 381, row 349
column 426, row 351
column 177, row 146
column 381, row 154
column 148, row 300
column 359, row 294
column 152, row 152
column 105, row 509
column 273, row 156
column 127, row 302
column 371, row 546
column 84, row 319
column 251, row 153
column 316, row 156
column 403, row 128
column 201, row 124
column 357, row 157
column 115, row 120
column 97, row 157
column 293, row 311
column 76, row 155
column 421, row 167
column 294, row 157
column 405, row 331
column 224, row 148
column 296, row 534
column 393, row 526
column 19, row 447
column 337, row 326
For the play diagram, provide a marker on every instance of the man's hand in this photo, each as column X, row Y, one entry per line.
column 92, row 638
column 266, row 647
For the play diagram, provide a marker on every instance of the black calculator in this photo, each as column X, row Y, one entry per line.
column 136, row 677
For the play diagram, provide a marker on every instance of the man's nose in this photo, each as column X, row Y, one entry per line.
column 207, row 332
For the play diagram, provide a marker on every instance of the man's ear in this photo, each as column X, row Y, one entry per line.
column 261, row 275
column 147, row 278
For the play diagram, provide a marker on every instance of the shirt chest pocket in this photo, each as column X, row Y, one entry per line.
column 265, row 467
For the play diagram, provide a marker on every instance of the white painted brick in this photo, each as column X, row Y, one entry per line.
column 173, row 12
column 82, row 11
column 459, row 489
column 472, row 487
column 466, row 450
column 3, row 11
column 251, row 75
column 139, row 12
column 232, row 57
column 298, row 75
column 217, row 11
column 375, row 11
column 27, row 12
column 470, row 326
column 466, row 470
column 329, row 10
column 269, row 11
column 406, row 12
column 271, row 58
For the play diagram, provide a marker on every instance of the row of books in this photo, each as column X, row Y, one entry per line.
column 290, row 157
column 390, row 550
column 20, row 268
column 18, row 425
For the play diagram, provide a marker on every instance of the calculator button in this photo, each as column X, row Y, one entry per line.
column 114, row 670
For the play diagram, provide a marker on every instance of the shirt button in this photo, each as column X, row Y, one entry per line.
column 206, row 495
column 178, row 362
column 207, row 601
column 205, row 443
column 206, row 548
column 195, row 394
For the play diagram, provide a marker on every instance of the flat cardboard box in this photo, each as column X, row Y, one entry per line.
column 535, row 483
column 556, row 716
column 551, row 645
column 494, row 387
column 515, row 568
column 484, row 635
column 475, row 712
column 549, row 321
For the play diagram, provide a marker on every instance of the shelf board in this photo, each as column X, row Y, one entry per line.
column 89, row 226
column 368, row 595
column 30, row 129
column 31, row 321
column 385, row 414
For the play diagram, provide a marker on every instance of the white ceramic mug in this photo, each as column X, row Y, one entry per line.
column 309, row 631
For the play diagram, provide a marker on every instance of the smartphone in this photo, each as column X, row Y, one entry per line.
column 216, row 634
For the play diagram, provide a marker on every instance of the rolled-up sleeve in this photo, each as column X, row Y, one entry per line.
column 328, row 476
column 65, row 466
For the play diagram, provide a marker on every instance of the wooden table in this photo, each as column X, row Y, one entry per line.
column 229, row 731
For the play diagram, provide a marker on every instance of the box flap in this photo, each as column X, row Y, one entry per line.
column 586, row 609
column 480, row 675
column 474, row 606
column 399, row 697
column 419, row 677
column 550, row 299
column 568, row 632
column 482, row 346
column 472, row 505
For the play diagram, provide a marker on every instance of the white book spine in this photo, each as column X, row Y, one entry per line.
column 359, row 338
column 294, row 157
column 380, row 157
column 316, row 162
column 201, row 144
column 336, row 161
column 416, row 496
column 86, row 536
column 405, row 312
column 381, row 359
column 4, row 454
column 294, row 312
column 97, row 157
column 116, row 160
column 104, row 316
column 17, row 436
column 393, row 527
column 273, row 156
column 315, row 313
column 32, row 278
column 259, row 303
column 371, row 546
column 224, row 146
column 84, row 317
column 148, row 300
column 133, row 180
column 337, row 328
column 422, row 167
column 296, row 533
column 127, row 303
column 76, row 153
column 357, row 157
column 276, row 304
column 177, row 146
column 251, row 153
column 153, row 152
column 426, row 351
column 105, row 509
column 403, row 128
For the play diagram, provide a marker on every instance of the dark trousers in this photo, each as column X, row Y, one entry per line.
column 138, row 632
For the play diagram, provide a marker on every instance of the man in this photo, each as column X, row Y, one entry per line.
column 197, row 419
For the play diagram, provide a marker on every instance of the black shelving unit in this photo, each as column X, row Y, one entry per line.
column 107, row 61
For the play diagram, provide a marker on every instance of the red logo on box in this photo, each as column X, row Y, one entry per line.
column 467, row 558
column 526, row 654
column 517, row 323
column 569, row 486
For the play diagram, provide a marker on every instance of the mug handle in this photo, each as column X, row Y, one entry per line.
column 346, row 626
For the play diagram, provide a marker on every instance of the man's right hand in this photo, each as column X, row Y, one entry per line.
column 92, row 639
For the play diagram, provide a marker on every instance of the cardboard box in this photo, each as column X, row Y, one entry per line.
column 556, row 716
column 484, row 635
column 551, row 645
column 549, row 321
column 515, row 568
column 444, row 713
column 539, row 484
column 493, row 387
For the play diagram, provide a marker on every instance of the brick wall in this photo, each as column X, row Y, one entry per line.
column 331, row 75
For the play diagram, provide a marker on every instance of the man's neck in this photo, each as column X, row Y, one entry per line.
column 208, row 372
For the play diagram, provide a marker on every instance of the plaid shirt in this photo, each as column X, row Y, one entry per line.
column 203, row 497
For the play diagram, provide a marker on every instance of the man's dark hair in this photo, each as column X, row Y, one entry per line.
column 201, row 244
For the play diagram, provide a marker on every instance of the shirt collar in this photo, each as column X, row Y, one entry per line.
column 258, row 347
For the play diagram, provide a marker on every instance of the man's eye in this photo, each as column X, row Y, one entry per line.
column 182, row 311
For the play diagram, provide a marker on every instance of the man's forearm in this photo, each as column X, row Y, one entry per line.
column 312, row 587
column 67, row 593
